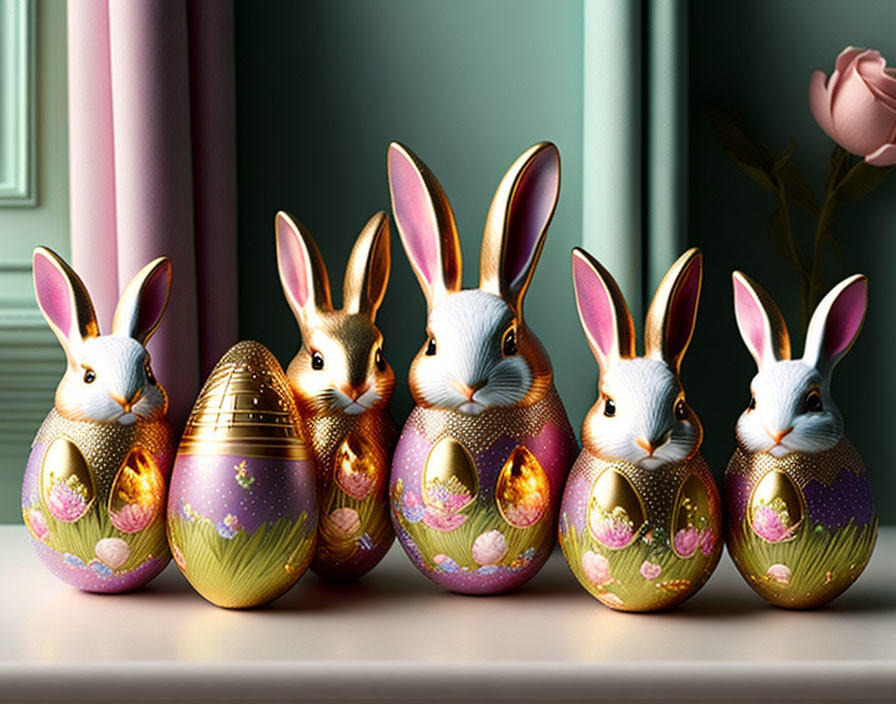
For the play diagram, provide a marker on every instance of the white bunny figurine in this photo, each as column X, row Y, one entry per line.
column 640, row 520
column 96, row 481
column 480, row 464
column 800, row 518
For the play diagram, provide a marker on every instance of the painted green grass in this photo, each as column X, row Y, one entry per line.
column 677, row 580
column 822, row 563
column 80, row 538
column 374, row 520
column 247, row 569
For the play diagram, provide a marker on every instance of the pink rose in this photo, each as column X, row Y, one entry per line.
column 132, row 518
column 489, row 548
column 856, row 106
column 779, row 573
column 770, row 525
column 649, row 570
column 596, row 568
column 686, row 541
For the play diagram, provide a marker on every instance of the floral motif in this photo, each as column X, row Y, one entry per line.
column 489, row 548
column 72, row 560
column 132, row 518
column 114, row 552
column 771, row 521
column 707, row 541
column 178, row 556
column 229, row 526
column 365, row 542
column 411, row 508
column 779, row 573
column 445, row 564
column 611, row 599
column 443, row 501
column 242, row 476
column 344, row 522
column 37, row 524
column 67, row 499
column 100, row 568
column 614, row 529
column 356, row 468
column 650, row 570
column 686, row 541
column 596, row 568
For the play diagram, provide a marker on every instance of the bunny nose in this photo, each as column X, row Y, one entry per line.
column 126, row 404
column 779, row 435
column 651, row 446
column 468, row 390
column 355, row 391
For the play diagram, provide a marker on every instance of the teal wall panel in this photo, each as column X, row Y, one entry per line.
column 322, row 87
column 756, row 57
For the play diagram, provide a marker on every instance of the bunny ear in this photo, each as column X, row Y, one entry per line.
column 63, row 299
column 673, row 312
column 605, row 317
column 836, row 323
column 517, row 223
column 302, row 270
column 425, row 223
column 367, row 273
column 761, row 324
column 143, row 301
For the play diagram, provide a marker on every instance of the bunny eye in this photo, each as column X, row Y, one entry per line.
column 431, row 347
column 752, row 404
column 379, row 360
column 89, row 376
column 681, row 409
column 508, row 347
column 317, row 361
column 813, row 402
column 609, row 407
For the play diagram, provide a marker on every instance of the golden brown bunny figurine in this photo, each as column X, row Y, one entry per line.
column 343, row 386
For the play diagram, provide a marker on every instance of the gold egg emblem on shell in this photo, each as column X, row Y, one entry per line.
column 615, row 511
column 523, row 492
column 66, row 483
column 449, row 471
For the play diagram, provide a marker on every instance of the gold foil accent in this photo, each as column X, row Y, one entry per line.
column 66, row 483
column 692, row 500
column 449, row 465
column 137, row 493
column 245, row 408
column 776, row 492
column 357, row 466
column 523, row 491
column 614, row 500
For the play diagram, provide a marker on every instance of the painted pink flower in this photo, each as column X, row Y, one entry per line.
column 358, row 485
column 179, row 559
column 614, row 530
column 596, row 568
column 113, row 552
column 779, row 573
column 344, row 522
column 686, row 542
column 37, row 523
column 707, row 541
column 611, row 599
column 132, row 518
column 650, row 570
column 443, row 520
column 770, row 524
column 856, row 106
column 489, row 548
column 67, row 500
column 528, row 512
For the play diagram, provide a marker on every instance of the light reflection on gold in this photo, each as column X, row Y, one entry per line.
column 776, row 492
column 357, row 465
column 523, row 491
column 137, row 492
column 692, row 506
column 449, row 463
column 616, row 513
column 66, row 482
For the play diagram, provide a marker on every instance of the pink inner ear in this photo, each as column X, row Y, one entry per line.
column 845, row 318
column 293, row 264
column 595, row 307
column 413, row 212
column 153, row 299
column 530, row 208
column 750, row 317
column 682, row 310
column 53, row 294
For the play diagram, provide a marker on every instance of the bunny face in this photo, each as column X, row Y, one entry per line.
column 642, row 415
column 108, row 378
column 791, row 409
column 341, row 366
column 479, row 354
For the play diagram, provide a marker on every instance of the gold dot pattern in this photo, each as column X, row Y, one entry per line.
column 801, row 467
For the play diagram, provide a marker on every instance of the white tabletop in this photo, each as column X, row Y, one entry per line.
column 396, row 636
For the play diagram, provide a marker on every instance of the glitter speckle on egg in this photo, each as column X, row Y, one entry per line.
column 242, row 510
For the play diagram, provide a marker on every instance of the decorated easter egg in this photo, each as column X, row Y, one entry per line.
column 242, row 510
column 641, row 539
column 475, row 498
column 800, row 528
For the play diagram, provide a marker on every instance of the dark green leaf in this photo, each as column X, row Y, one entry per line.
column 737, row 143
column 840, row 159
column 797, row 188
column 784, row 157
column 759, row 175
column 860, row 180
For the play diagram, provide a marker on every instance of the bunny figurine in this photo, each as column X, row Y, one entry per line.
column 481, row 461
column 640, row 520
column 342, row 385
column 96, row 481
column 800, row 518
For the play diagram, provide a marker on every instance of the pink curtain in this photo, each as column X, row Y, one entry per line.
column 153, row 170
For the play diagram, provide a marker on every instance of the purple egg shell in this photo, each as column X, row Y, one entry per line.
column 355, row 566
column 281, row 488
column 736, row 490
column 847, row 499
column 574, row 506
column 87, row 579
